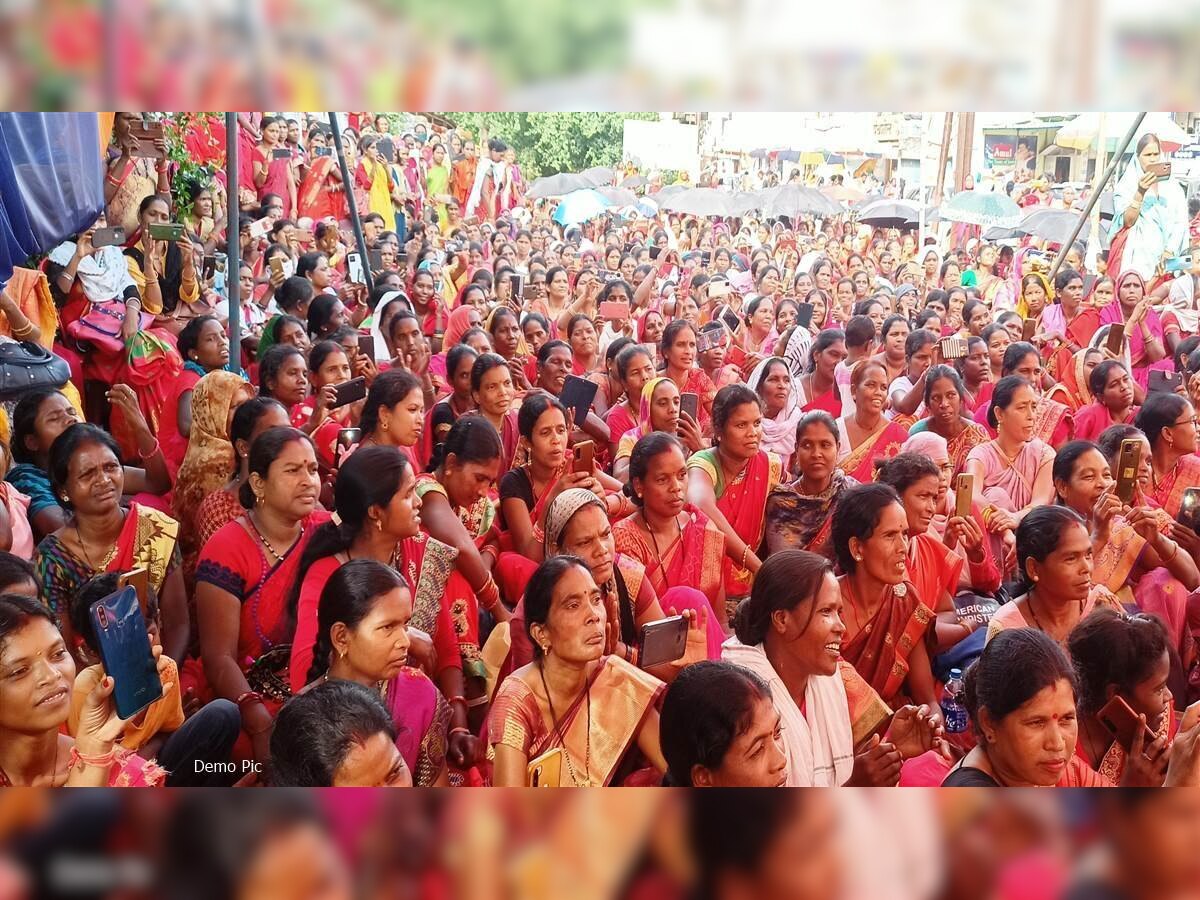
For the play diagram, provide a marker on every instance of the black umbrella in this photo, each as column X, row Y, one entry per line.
column 889, row 214
column 558, row 185
column 634, row 181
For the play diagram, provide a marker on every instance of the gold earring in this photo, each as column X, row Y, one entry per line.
column 378, row 525
column 383, row 425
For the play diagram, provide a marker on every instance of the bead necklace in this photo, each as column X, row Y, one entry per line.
column 587, row 762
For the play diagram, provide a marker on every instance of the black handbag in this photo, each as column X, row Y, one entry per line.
column 25, row 366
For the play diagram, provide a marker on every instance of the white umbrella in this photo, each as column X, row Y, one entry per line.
column 1082, row 131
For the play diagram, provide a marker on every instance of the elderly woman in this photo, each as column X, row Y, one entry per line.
column 1151, row 210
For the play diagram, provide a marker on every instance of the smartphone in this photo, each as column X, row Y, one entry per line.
column 108, row 237
column 530, row 292
column 577, row 395
column 323, row 151
column 690, row 404
column 804, row 315
column 147, row 133
column 209, row 268
column 1122, row 722
column 1127, row 468
column 516, row 283
column 277, row 266
column 964, row 490
column 663, row 641
column 366, row 345
column 707, row 340
column 546, row 770
column 730, row 318
column 1028, row 329
column 350, row 391
column 125, row 651
column 166, row 231
column 375, row 260
column 584, row 457
column 1189, row 509
column 706, row 258
column 1116, row 337
column 736, row 356
column 1163, row 170
column 139, row 580
column 1160, row 382
column 260, row 228
column 953, row 347
column 347, row 438
column 1174, row 264
column 718, row 289
column 281, row 153
column 354, row 267
column 655, row 251
column 387, row 149
column 304, row 236
column 614, row 310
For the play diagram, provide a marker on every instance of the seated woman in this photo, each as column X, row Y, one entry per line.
column 906, row 394
column 221, row 505
column 944, row 398
column 18, row 576
column 553, row 367
column 1021, row 698
column 35, row 751
column 1011, row 472
column 634, row 367
column 243, row 578
column 100, row 536
column 1132, row 308
column 1054, row 565
column 888, row 625
column 730, row 484
column 718, row 728
column 1127, row 657
column 660, row 411
column 1112, row 390
column 325, row 316
column 772, row 381
column 592, row 693
column 679, row 354
column 1053, row 423
column 694, row 553
column 789, row 634
column 283, row 376
column 393, row 414
column 975, row 373
column 868, row 434
column 610, row 388
column 934, row 568
column 817, row 388
column 460, row 360
column 463, row 319
column 361, row 636
column 494, row 395
column 585, row 352
column 317, row 415
column 1169, row 423
column 204, row 348
column 1134, row 554
column 339, row 734
column 210, row 456
column 799, row 515
column 39, row 417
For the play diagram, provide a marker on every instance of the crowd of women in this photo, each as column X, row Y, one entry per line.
column 387, row 543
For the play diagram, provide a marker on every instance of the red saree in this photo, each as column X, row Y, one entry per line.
column 859, row 462
column 315, row 198
column 879, row 652
column 695, row 560
column 1168, row 493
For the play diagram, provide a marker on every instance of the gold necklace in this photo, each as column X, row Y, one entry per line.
column 587, row 760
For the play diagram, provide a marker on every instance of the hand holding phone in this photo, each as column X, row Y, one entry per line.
column 1123, row 723
column 349, row 392
column 663, row 641
column 126, row 652
column 585, row 460
column 964, row 491
column 1128, row 461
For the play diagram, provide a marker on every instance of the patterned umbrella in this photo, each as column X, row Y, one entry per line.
column 986, row 208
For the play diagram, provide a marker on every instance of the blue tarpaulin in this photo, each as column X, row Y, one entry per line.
column 51, row 182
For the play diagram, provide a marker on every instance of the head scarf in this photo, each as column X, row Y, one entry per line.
column 457, row 325
column 645, row 426
column 779, row 433
column 1022, row 306
column 562, row 509
column 381, row 348
column 927, row 443
column 1074, row 381
column 522, row 347
column 209, row 461
column 795, row 354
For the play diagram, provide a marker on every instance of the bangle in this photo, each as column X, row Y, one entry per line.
column 458, row 698
column 133, row 301
column 154, row 451
column 458, row 729
column 481, row 700
column 745, row 552
column 489, row 594
column 247, row 697
column 1174, row 552
column 262, row 730
column 539, row 534
column 20, row 333
column 101, row 761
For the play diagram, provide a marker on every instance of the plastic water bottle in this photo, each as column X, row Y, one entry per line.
column 954, row 711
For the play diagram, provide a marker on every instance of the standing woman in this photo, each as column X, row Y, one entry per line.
column 101, row 536
column 886, row 622
column 164, row 271
column 730, row 483
column 374, row 178
column 243, row 578
column 1152, row 212
column 679, row 352
column 817, row 388
column 867, row 435
column 274, row 175
column 944, row 393
column 1112, row 389
column 1143, row 327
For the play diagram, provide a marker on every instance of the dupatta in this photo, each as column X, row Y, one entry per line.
column 879, row 652
column 884, row 443
column 1113, row 314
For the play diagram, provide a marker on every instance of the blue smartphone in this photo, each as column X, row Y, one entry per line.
column 125, row 651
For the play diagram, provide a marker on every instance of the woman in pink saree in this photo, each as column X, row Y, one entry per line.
column 1143, row 327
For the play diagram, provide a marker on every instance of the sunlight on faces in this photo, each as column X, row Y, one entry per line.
column 945, row 404
column 1017, row 420
column 377, row 647
column 552, row 374
column 664, row 489
column 920, row 501
column 775, row 387
column 755, row 757
column 405, row 421
column 495, row 394
column 1032, row 744
column 95, row 479
column 575, row 621
column 548, row 444
column 816, row 453
column 1065, row 575
column 811, row 632
column 334, row 369
column 36, row 677
column 742, row 434
column 54, row 416
column 884, row 553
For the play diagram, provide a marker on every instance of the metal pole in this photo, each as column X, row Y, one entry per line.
column 1096, row 190
column 233, row 260
column 348, row 187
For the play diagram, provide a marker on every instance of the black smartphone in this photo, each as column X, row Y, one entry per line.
column 108, row 237
column 804, row 314
column 655, row 251
column 125, row 651
column 209, row 268
column 366, row 345
column 349, row 391
column 663, row 641
column 516, row 282
column 690, row 404
column 375, row 260
column 577, row 395
column 281, row 153
column 706, row 258
column 1160, row 382
column 1189, row 509
column 387, row 149
column 323, row 151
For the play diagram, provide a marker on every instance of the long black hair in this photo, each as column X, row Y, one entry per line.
column 1039, row 534
column 348, row 597
column 1016, row 665
column 857, row 516
column 390, row 388
column 272, row 364
column 264, row 451
column 786, row 579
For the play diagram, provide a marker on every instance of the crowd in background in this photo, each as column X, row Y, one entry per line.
column 415, row 533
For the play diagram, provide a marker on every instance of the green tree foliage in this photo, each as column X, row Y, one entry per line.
column 551, row 142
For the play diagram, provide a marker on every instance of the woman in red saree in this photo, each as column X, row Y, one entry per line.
column 1169, row 423
column 817, row 388
column 1072, row 389
column 275, row 175
column 1067, row 327
column 888, row 627
column 867, row 436
column 321, row 194
column 944, row 392
column 679, row 351
column 243, row 578
column 730, row 483
column 1112, row 387
column 606, row 724
column 1143, row 327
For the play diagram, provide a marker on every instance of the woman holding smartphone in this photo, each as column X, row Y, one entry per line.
column 1151, row 210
